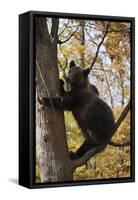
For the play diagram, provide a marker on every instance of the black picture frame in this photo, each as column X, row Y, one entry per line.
column 27, row 99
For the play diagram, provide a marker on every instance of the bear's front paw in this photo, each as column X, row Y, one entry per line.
column 41, row 100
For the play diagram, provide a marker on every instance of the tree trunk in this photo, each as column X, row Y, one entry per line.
column 51, row 144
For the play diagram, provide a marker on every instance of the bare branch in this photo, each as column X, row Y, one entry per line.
column 79, row 39
column 67, row 39
column 69, row 27
column 66, row 26
column 99, row 45
column 54, row 29
column 91, row 38
column 121, row 118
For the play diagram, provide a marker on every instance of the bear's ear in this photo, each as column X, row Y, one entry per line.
column 86, row 72
column 72, row 63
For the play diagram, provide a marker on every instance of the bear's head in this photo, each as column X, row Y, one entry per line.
column 77, row 76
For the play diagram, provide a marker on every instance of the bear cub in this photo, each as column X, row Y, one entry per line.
column 93, row 115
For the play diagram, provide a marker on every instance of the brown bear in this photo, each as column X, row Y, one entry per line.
column 93, row 115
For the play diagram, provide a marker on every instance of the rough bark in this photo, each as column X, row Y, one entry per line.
column 52, row 151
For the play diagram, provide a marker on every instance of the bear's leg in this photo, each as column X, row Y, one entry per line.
column 86, row 146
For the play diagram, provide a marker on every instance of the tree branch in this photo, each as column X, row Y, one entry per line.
column 91, row 38
column 54, row 29
column 82, row 160
column 99, row 45
column 121, row 118
column 66, row 26
column 67, row 39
